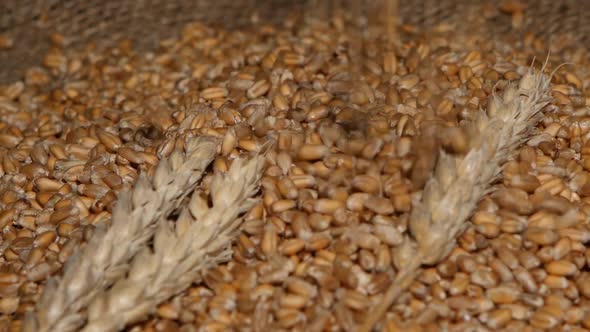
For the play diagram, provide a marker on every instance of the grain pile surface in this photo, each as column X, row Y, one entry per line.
column 353, row 141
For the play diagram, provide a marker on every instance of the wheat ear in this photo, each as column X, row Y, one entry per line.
column 106, row 257
column 200, row 239
column 459, row 182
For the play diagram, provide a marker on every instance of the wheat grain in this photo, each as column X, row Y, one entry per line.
column 105, row 259
column 459, row 182
column 199, row 240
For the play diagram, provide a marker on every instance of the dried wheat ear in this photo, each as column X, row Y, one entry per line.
column 460, row 181
column 200, row 239
column 106, row 257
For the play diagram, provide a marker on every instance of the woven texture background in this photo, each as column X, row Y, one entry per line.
column 147, row 21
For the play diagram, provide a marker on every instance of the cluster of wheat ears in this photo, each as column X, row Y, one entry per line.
column 143, row 258
column 118, row 278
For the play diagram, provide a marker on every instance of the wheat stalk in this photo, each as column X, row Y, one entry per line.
column 106, row 257
column 200, row 239
column 459, row 182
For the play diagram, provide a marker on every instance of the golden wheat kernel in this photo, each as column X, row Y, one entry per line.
column 503, row 294
column 379, row 205
column 459, row 302
column 327, row 206
column 61, row 214
column 459, row 284
column 488, row 230
column 258, row 89
column 366, row 183
column 9, row 305
column 293, row 301
column 338, row 193
column 44, row 239
column 168, row 311
column 367, row 261
column 318, row 241
column 9, row 277
column 541, row 236
column 514, row 200
column 527, row 281
column 539, row 274
column 498, row 318
column 389, row 234
column 317, row 113
column 552, row 204
column 287, row 188
column 43, row 184
column 526, row 182
column 562, row 248
column 355, row 300
column 586, row 321
column 544, row 319
column 9, row 141
column 36, row 255
column 7, row 217
column 556, row 282
column 485, row 217
column 319, row 222
column 283, row 205
column 519, row 311
column 372, row 148
column 269, row 240
column 214, row 93
column 512, row 226
column 245, row 246
column 312, row 152
column 507, row 256
column 574, row 315
column 561, row 268
column 466, row 263
column 577, row 234
column 484, row 277
column 111, row 142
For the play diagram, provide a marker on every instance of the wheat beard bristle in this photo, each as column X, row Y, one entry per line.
column 106, row 257
column 459, row 182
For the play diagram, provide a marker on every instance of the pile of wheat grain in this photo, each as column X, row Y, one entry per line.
column 372, row 170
